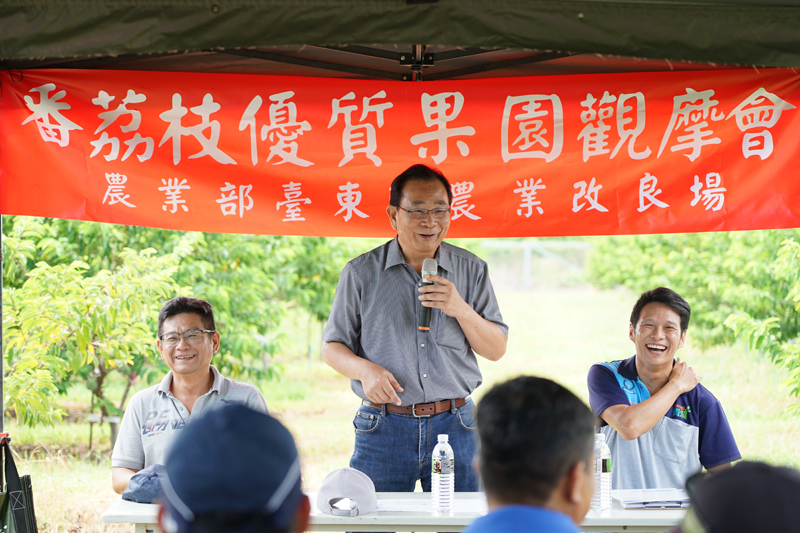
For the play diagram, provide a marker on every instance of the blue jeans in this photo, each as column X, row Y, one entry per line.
column 394, row 450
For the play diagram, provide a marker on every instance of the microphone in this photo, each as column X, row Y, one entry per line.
column 429, row 266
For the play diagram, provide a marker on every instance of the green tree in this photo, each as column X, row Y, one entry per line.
column 251, row 280
column 61, row 323
column 741, row 285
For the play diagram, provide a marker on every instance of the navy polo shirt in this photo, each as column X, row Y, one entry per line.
column 693, row 434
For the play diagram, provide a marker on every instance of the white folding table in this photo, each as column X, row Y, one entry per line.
column 144, row 516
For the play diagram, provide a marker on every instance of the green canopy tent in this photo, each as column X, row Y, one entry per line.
column 411, row 40
column 394, row 38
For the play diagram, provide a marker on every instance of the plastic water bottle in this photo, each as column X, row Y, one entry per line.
column 442, row 476
column 601, row 501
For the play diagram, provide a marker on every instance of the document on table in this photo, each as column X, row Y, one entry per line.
column 425, row 506
column 652, row 498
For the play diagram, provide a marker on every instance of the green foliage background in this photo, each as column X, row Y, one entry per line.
column 741, row 285
column 81, row 300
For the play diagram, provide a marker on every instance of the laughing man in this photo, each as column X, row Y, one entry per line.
column 662, row 426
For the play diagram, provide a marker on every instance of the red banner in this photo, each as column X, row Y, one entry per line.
column 536, row 156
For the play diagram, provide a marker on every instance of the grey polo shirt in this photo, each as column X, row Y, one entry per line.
column 154, row 417
column 375, row 313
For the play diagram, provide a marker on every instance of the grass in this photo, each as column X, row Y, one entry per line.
column 554, row 332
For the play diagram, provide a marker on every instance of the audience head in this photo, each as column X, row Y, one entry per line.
column 667, row 297
column 745, row 498
column 234, row 470
column 187, row 304
column 536, row 446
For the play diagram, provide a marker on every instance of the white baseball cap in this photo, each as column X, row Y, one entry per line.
column 347, row 484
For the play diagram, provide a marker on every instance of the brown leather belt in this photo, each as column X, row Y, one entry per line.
column 417, row 409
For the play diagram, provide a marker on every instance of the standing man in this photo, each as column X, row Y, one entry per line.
column 187, row 339
column 414, row 384
column 536, row 458
column 662, row 426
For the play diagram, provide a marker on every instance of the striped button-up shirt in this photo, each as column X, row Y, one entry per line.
column 376, row 314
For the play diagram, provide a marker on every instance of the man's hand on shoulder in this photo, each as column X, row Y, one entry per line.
column 683, row 376
column 379, row 385
column 443, row 296
column 632, row 421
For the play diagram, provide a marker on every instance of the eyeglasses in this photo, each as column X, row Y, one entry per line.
column 192, row 336
column 419, row 214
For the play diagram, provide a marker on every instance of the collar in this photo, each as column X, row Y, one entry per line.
column 627, row 369
column 545, row 518
column 394, row 256
column 166, row 383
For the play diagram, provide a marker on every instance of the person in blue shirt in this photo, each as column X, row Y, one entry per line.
column 536, row 458
column 661, row 424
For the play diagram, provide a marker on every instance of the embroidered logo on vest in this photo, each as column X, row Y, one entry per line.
column 680, row 411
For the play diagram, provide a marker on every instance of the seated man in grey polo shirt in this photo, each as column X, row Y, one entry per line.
column 187, row 340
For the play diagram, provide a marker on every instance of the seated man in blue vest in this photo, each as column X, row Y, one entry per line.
column 662, row 426
column 535, row 458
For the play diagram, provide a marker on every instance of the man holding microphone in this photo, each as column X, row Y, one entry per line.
column 414, row 382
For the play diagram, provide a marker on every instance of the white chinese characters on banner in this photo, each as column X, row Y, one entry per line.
column 587, row 192
column 53, row 126
column 349, row 199
column 532, row 129
column 692, row 112
column 527, row 190
column 648, row 192
column 292, row 193
column 595, row 132
column 176, row 130
column 103, row 100
column 172, row 189
column 361, row 137
column 116, row 190
column 759, row 111
column 461, row 195
column 713, row 195
column 438, row 110
column 283, row 129
column 630, row 134
column 230, row 201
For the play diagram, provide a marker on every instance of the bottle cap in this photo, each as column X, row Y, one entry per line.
column 600, row 437
column 443, row 438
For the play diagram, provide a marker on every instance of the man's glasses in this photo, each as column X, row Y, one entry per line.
column 418, row 214
column 192, row 336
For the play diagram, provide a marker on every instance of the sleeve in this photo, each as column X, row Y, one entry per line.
column 128, row 450
column 604, row 391
column 485, row 301
column 717, row 445
column 344, row 322
column 257, row 402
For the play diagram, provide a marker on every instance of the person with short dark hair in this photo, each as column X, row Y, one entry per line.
column 235, row 470
column 414, row 383
column 661, row 425
column 187, row 340
column 750, row 497
column 536, row 458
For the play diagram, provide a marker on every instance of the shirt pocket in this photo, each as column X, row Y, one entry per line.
column 675, row 441
column 449, row 334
